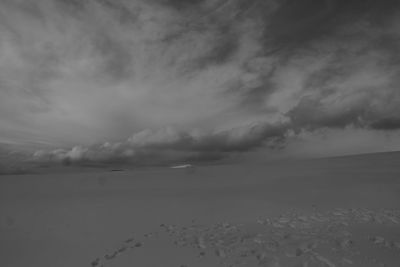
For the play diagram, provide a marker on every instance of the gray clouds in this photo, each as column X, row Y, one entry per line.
column 81, row 72
column 168, row 144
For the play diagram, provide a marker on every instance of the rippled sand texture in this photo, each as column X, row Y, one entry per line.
column 343, row 237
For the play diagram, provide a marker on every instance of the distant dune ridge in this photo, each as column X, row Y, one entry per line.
column 188, row 168
column 184, row 166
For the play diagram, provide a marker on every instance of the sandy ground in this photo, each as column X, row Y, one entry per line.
column 325, row 212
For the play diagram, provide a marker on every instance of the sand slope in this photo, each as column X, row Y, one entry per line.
column 326, row 212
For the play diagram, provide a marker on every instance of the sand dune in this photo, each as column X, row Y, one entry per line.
column 325, row 212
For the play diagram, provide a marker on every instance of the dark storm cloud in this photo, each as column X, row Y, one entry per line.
column 181, row 4
column 298, row 23
column 391, row 123
column 310, row 114
column 230, row 75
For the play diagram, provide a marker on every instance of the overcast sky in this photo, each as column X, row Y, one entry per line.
column 149, row 80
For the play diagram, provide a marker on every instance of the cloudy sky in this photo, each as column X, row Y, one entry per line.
column 156, row 80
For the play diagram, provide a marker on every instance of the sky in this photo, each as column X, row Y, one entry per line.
column 149, row 81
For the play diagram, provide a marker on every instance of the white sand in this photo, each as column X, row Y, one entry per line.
column 277, row 214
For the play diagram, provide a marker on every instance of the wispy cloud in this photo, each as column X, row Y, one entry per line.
column 211, row 77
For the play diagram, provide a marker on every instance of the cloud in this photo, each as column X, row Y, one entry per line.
column 169, row 145
column 215, row 77
column 85, row 69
